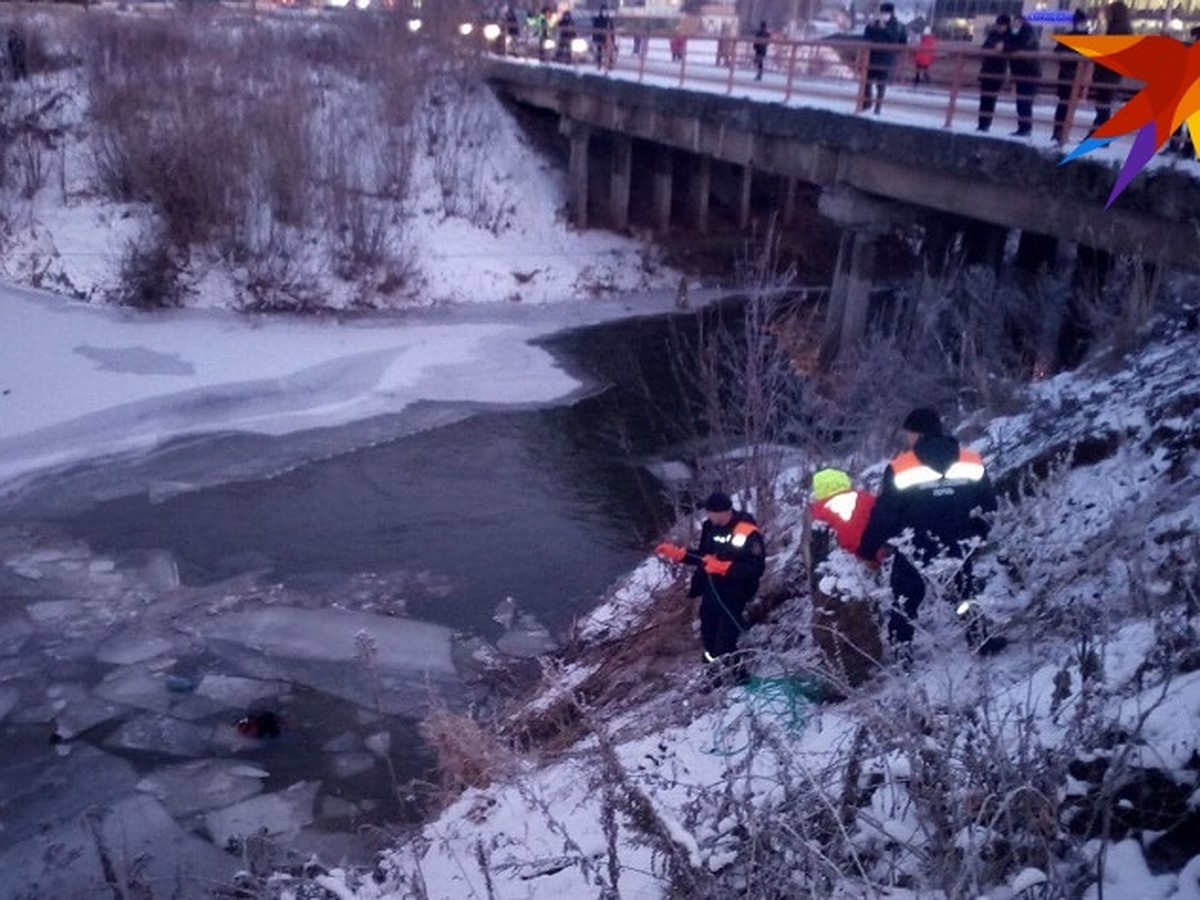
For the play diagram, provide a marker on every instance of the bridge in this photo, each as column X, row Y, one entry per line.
column 683, row 137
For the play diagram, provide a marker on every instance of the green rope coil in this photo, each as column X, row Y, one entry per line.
column 783, row 700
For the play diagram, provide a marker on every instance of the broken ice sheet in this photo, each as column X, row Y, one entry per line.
column 136, row 686
column 76, row 710
column 162, row 734
column 281, row 814
column 203, row 785
column 143, row 845
column 233, row 691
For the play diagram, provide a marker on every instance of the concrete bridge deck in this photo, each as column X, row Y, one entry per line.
column 873, row 172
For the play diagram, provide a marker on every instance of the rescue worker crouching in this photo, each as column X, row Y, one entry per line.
column 941, row 491
column 844, row 627
column 729, row 559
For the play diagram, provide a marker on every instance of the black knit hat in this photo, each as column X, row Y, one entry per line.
column 718, row 502
column 1003, row 19
column 923, row 420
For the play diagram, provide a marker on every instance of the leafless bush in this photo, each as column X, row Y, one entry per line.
column 468, row 755
column 230, row 136
column 456, row 140
column 151, row 276
column 279, row 271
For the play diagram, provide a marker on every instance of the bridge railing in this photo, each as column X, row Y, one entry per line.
column 834, row 73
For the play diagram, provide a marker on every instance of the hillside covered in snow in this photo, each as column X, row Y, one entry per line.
column 289, row 163
column 1064, row 767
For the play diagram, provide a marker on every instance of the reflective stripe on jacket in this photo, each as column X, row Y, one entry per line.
column 910, row 472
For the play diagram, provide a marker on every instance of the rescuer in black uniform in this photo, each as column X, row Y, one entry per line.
column 729, row 561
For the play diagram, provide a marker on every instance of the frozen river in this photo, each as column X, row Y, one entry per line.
column 335, row 578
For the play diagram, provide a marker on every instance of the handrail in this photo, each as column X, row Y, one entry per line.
column 834, row 72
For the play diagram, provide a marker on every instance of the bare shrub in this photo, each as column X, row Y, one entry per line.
column 229, row 136
column 279, row 271
column 454, row 125
column 151, row 277
column 468, row 755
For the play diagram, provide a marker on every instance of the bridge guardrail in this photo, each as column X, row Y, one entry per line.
column 834, row 72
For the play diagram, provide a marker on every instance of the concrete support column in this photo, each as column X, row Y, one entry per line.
column 850, row 293
column 1036, row 253
column 983, row 244
column 1074, row 333
column 664, row 171
column 934, row 252
column 701, row 190
column 618, row 187
column 788, row 213
column 864, row 218
column 580, row 137
column 744, row 196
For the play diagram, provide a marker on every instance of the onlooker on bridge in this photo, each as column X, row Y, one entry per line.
column 1104, row 81
column 924, row 57
column 1067, row 70
column 512, row 27
column 726, row 46
column 991, row 70
column 1026, row 71
column 762, row 40
column 885, row 28
column 566, row 37
column 603, row 38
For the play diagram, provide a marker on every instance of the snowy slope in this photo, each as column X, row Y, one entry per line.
column 974, row 777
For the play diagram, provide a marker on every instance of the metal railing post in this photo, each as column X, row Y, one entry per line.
column 955, row 85
column 1083, row 77
column 791, row 78
column 729, row 62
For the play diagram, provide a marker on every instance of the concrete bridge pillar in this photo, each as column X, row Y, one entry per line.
column 865, row 218
column 788, row 213
column 664, row 170
column 935, row 250
column 701, row 190
column 983, row 244
column 850, row 293
column 618, row 186
column 580, row 137
column 1036, row 253
column 745, row 193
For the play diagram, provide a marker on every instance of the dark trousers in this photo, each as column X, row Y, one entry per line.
column 721, row 623
column 1102, row 96
column 1025, row 91
column 908, row 590
column 1060, row 111
column 989, row 88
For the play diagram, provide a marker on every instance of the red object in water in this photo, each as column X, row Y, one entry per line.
column 263, row 724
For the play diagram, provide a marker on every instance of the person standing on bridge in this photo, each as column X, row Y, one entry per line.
column 1105, row 81
column 1067, row 69
column 991, row 71
column 762, row 40
column 924, row 57
column 603, row 35
column 885, row 28
column 1021, row 43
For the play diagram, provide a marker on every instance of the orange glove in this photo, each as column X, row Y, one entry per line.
column 714, row 566
column 670, row 552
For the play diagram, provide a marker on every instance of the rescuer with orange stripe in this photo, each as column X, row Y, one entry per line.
column 729, row 561
column 941, row 491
